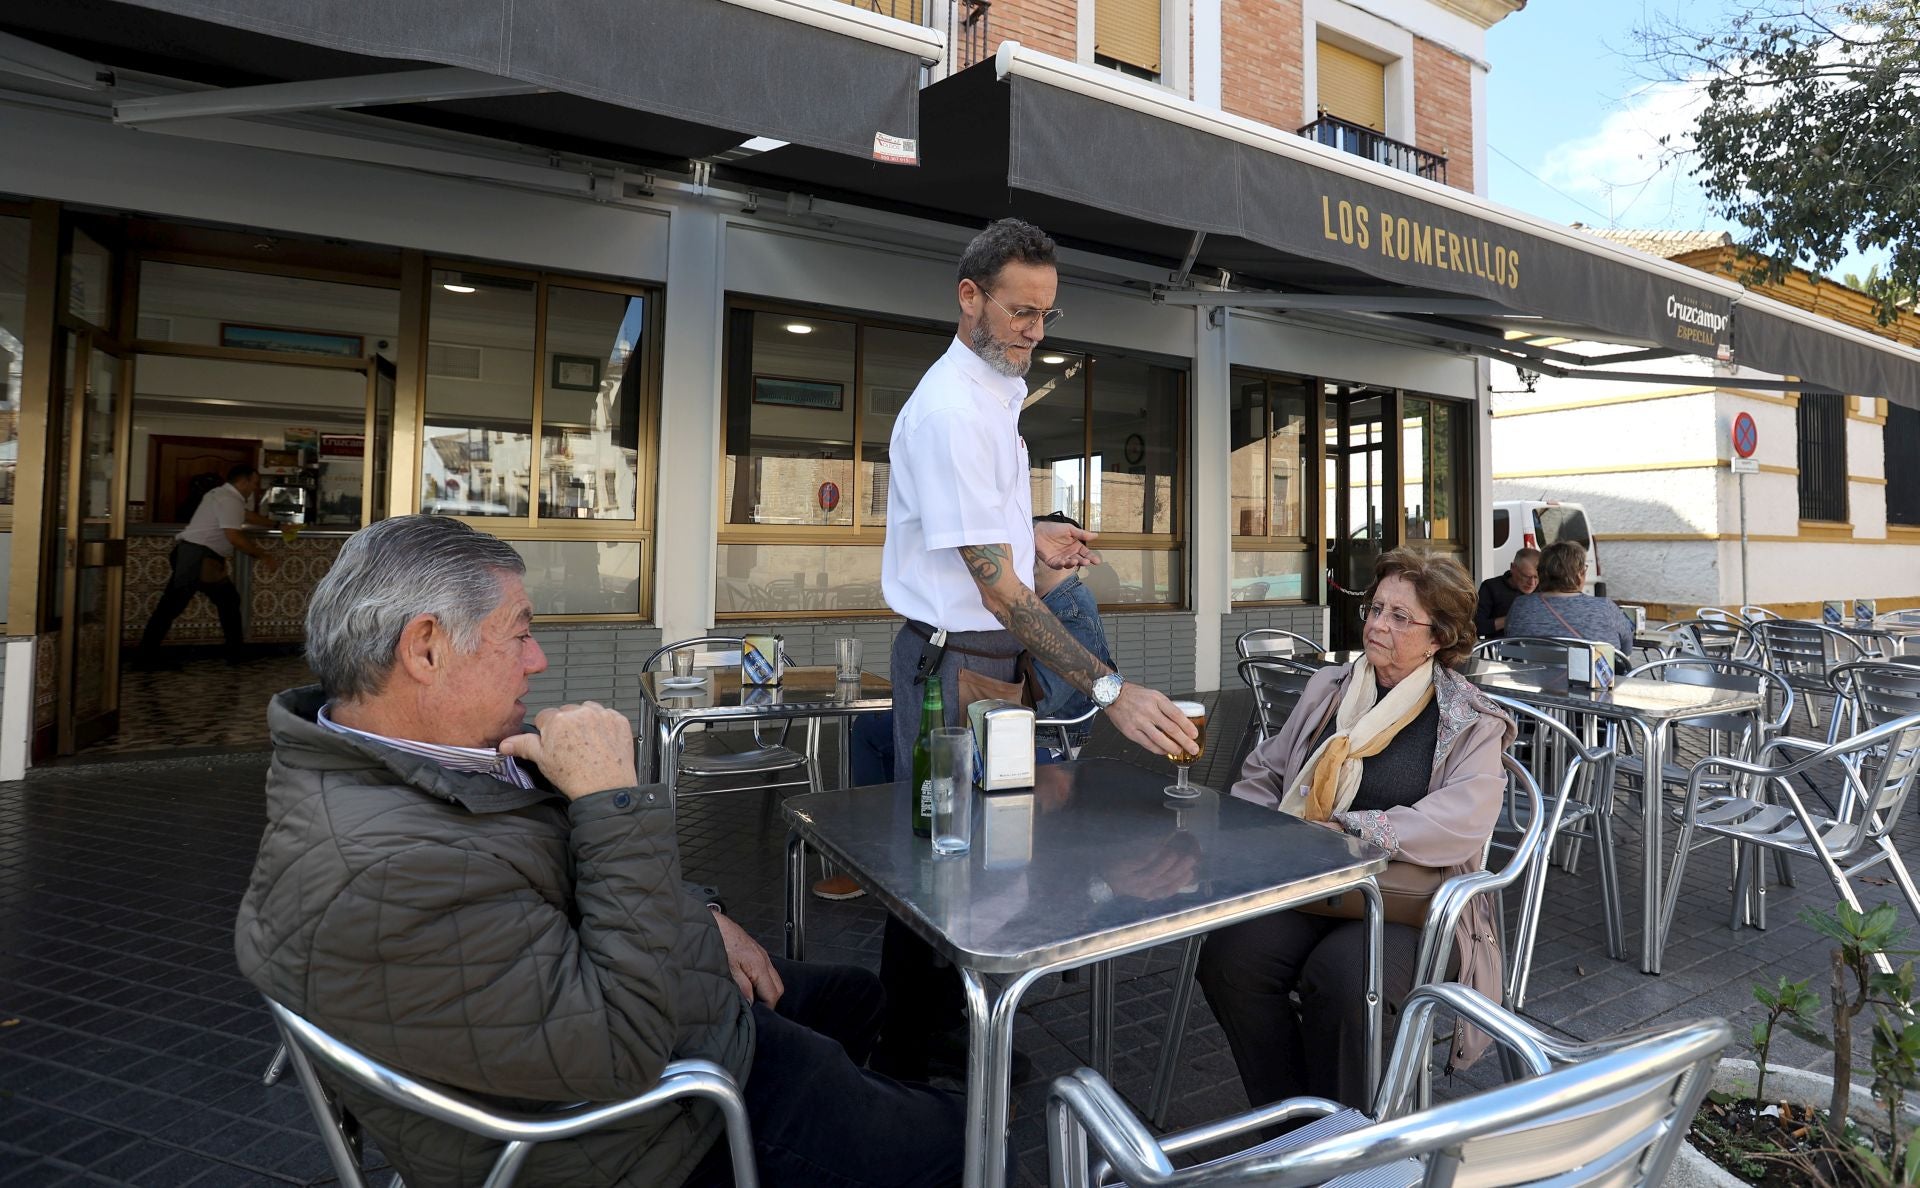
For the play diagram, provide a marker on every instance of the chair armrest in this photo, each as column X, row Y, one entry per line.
column 1086, row 717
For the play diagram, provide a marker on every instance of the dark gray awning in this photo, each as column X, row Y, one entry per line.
column 1102, row 168
column 657, row 79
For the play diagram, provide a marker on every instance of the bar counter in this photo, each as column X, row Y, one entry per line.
column 273, row 606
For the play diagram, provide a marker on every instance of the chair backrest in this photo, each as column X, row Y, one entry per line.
column 1709, row 672
column 1754, row 614
column 1720, row 639
column 1717, row 614
column 722, row 651
column 1529, row 814
column 307, row 1045
column 1879, row 691
column 1805, row 651
column 1909, row 618
column 1277, row 685
column 1525, row 649
column 1272, row 641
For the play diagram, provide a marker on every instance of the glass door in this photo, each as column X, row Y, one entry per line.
column 94, row 552
column 1360, row 479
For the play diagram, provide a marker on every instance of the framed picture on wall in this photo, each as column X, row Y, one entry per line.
column 799, row 393
column 575, row 373
column 287, row 340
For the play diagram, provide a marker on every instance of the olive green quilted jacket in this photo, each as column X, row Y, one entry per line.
column 500, row 941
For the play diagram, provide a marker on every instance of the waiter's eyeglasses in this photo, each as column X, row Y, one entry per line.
column 1024, row 317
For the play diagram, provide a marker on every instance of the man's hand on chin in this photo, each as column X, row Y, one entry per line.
column 752, row 969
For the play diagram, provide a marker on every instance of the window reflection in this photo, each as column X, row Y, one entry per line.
column 475, row 458
column 891, row 364
column 789, row 429
column 590, row 417
column 1137, row 410
column 1055, row 428
column 13, row 319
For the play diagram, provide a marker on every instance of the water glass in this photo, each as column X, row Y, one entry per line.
column 846, row 659
column 950, row 750
column 682, row 662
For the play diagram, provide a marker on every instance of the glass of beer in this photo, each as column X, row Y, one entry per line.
column 1197, row 714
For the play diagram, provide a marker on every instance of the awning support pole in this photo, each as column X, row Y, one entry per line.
column 1179, row 278
column 30, row 59
column 368, row 90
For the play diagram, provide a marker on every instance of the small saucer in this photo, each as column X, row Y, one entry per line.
column 682, row 682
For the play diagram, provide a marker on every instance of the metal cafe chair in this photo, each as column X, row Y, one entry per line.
column 308, row 1045
column 1063, row 731
column 1757, row 808
column 1612, row 1113
column 1715, row 639
column 1525, row 649
column 1717, row 614
column 1272, row 641
column 1276, row 684
column 1804, row 655
column 1525, row 815
column 1878, row 691
column 1741, row 734
column 768, row 754
column 1755, row 614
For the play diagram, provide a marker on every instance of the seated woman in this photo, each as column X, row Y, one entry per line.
column 1397, row 749
column 1559, row 610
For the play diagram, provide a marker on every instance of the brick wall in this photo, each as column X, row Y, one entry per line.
column 1049, row 26
column 1443, row 109
column 1260, row 69
column 1310, row 621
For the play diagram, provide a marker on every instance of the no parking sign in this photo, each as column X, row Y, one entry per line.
column 1746, row 437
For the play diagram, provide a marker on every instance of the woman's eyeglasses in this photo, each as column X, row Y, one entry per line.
column 1395, row 620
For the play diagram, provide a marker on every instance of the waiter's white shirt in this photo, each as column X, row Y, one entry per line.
column 959, row 476
column 223, row 507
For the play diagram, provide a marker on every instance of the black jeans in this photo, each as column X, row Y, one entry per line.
column 821, row 1121
column 1249, row 972
column 182, row 585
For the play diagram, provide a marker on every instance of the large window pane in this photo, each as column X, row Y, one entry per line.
column 1247, row 462
column 187, row 304
column 595, row 397
column 1134, row 576
column 789, row 421
column 13, row 320
column 1055, row 427
column 1267, row 575
column 891, row 364
column 775, row 579
column 583, row 577
column 1286, row 458
column 1137, row 411
column 90, row 281
column 476, row 456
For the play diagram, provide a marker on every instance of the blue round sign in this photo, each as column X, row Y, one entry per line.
column 1746, row 437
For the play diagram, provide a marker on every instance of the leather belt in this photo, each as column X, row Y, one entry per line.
column 926, row 632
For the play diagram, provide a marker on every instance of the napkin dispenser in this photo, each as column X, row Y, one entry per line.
column 1003, row 736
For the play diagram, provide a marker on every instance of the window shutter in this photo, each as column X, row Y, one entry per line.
column 1128, row 31
column 1352, row 88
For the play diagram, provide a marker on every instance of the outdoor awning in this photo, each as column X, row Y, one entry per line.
column 648, row 80
column 1118, row 166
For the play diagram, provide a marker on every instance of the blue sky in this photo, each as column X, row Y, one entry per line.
column 1573, row 122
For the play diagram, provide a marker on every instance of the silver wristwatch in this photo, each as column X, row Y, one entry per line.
column 1106, row 690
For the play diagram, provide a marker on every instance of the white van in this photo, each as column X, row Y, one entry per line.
column 1535, row 524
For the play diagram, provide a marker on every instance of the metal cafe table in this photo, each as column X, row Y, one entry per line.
column 1091, row 863
column 1651, row 707
column 810, row 692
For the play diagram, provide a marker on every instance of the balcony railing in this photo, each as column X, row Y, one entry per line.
column 966, row 24
column 1362, row 141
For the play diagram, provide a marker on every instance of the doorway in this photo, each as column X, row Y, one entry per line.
column 1361, row 468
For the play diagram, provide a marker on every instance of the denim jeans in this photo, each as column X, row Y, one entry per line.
column 819, row 1119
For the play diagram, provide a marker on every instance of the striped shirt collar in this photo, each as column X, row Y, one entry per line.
column 470, row 759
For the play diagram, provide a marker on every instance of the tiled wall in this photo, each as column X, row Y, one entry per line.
column 1154, row 649
column 592, row 663
column 1310, row 621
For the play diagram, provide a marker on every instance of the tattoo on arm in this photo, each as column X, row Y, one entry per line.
column 1020, row 611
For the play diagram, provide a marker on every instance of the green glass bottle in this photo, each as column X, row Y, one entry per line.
column 933, row 715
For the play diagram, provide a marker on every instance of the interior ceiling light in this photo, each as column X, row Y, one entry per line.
column 450, row 287
column 799, row 328
column 1053, row 360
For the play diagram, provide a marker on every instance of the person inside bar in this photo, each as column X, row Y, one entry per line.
column 500, row 909
column 1401, row 751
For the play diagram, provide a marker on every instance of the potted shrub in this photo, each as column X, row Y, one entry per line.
column 1802, row 1128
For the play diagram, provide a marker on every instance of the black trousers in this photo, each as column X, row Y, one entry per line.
column 820, row 1120
column 1250, row 972
column 182, row 585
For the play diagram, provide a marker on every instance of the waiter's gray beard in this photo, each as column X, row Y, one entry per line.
column 994, row 351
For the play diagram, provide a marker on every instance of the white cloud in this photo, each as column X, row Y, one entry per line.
column 1637, row 166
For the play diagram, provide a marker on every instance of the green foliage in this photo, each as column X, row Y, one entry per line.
column 1810, row 138
column 1792, row 1001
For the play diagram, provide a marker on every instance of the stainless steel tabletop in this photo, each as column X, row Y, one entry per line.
column 1094, row 860
column 1630, row 697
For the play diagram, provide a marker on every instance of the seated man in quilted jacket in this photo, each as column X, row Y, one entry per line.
column 501, row 911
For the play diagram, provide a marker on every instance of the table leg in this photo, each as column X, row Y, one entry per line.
column 643, row 756
column 1376, row 935
column 1652, row 824
column 844, row 764
column 1100, row 1018
column 979, row 1076
column 671, row 739
column 796, row 896
column 990, row 1075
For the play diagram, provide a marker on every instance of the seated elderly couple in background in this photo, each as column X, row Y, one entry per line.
column 502, row 911
column 1542, row 596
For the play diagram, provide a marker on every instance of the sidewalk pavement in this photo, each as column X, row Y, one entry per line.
column 131, row 1050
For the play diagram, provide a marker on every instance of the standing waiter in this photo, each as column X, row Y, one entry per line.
column 962, row 542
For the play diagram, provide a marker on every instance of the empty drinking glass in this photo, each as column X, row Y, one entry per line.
column 846, row 659
column 682, row 662
column 950, row 749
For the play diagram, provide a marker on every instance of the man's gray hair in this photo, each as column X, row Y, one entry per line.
column 1005, row 241
column 387, row 575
